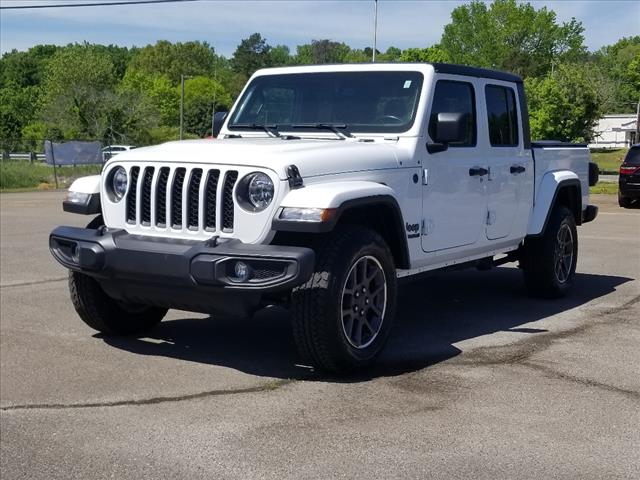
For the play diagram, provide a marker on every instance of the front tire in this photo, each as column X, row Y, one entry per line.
column 342, row 316
column 549, row 261
column 105, row 314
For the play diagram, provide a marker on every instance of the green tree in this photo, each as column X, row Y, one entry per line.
column 252, row 54
column 432, row 54
column 564, row 105
column 391, row 55
column 200, row 96
column 25, row 69
column 280, row 56
column 79, row 84
column 322, row 51
column 173, row 60
column 620, row 62
column 18, row 106
column 512, row 36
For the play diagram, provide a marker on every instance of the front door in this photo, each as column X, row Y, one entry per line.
column 454, row 202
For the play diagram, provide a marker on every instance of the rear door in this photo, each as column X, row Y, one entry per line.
column 454, row 199
column 510, row 165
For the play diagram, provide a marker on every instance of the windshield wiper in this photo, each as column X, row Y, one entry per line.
column 269, row 129
column 339, row 129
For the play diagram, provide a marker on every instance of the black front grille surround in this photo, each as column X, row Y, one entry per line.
column 161, row 197
column 145, row 199
column 182, row 198
column 176, row 198
column 210, row 200
column 132, row 197
column 230, row 180
column 193, row 199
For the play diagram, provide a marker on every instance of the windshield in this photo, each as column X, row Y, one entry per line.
column 369, row 101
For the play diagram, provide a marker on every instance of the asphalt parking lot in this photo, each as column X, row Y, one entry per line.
column 478, row 380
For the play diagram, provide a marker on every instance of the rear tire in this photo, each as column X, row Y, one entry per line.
column 549, row 261
column 624, row 202
column 342, row 316
column 106, row 314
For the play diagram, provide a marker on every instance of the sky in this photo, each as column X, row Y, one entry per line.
column 223, row 24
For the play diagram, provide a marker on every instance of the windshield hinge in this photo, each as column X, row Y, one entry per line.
column 294, row 177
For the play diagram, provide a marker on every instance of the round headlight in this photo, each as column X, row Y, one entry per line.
column 260, row 191
column 119, row 183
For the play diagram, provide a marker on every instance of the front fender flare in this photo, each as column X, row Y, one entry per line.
column 344, row 197
column 89, row 186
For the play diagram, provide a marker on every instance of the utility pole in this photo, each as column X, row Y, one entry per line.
column 375, row 29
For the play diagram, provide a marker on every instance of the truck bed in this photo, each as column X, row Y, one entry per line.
column 551, row 156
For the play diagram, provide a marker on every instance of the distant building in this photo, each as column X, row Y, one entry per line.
column 615, row 131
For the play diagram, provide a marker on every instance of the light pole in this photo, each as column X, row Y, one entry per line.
column 375, row 29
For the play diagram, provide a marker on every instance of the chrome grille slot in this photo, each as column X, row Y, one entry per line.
column 147, row 179
column 193, row 200
column 227, row 200
column 176, row 198
column 161, row 197
column 132, row 196
column 210, row 197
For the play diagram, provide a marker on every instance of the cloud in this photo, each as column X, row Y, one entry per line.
column 224, row 23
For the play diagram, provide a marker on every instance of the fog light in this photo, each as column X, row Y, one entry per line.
column 242, row 271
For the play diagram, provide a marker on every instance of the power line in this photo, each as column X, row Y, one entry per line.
column 102, row 4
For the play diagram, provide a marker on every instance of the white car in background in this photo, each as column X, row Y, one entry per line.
column 111, row 150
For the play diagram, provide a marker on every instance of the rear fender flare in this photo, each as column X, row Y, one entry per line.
column 552, row 183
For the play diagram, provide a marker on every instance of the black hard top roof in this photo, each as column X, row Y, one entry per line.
column 449, row 68
column 453, row 69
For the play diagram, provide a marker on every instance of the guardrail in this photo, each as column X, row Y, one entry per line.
column 28, row 157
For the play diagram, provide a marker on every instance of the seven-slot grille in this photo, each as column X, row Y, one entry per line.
column 181, row 198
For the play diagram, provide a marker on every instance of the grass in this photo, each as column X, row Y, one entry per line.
column 608, row 188
column 23, row 175
column 608, row 160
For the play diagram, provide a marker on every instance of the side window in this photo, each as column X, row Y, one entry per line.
column 454, row 97
column 502, row 116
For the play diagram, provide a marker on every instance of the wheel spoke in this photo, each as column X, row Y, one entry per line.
column 358, row 332
column 363, row 302
column 563, row 253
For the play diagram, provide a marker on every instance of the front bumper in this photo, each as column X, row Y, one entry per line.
column 189, row 275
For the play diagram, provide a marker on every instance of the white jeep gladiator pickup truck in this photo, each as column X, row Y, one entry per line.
column 325, row 186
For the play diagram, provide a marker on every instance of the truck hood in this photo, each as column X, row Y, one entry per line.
column 312, row 156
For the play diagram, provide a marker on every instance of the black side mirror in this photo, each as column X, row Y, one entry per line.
column 450, row 128
column 218, row 121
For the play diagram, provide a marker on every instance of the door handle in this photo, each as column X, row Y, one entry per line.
column 517, row 169
column 478, row 171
